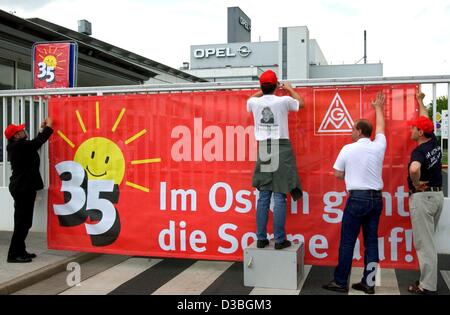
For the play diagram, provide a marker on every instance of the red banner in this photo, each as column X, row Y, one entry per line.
column 169, row 175
column 51, row 65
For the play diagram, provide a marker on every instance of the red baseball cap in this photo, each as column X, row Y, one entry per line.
column 12, row 129
column 423, row 123
column 268, row 77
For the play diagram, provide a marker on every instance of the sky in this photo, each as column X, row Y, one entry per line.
column 410, row 38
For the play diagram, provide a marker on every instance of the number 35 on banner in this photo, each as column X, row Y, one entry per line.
column 91, row 200
column 54, row 64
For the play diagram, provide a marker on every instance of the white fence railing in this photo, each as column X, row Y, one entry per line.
column 30, row 106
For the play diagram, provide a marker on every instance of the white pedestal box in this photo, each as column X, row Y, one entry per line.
column 274, row 268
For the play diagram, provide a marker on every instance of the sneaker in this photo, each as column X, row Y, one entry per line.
column 283, row 244
column 333, row 286
column 262, row 243
column 362, row 287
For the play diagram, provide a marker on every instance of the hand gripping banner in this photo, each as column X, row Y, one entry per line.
column 169, row 175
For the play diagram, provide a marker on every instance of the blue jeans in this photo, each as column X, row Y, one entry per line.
column 363, row 209
column 279, row 215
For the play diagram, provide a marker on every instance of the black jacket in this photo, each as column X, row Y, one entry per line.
column 24, row 158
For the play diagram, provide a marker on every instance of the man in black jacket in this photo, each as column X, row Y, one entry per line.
column 25, row 181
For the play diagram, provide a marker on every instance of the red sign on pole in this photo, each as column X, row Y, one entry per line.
column 54, row 65
column 169, row 175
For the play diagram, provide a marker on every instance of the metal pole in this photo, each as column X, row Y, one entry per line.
column 32, row 118
column 434, row 105
column 40, row 119
column 365, row 47
column 13, row 110
column 448, row 133
column 5, row 122
column 22, row 110
column 211, row 86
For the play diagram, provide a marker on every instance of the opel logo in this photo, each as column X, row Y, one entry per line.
column 244, row 51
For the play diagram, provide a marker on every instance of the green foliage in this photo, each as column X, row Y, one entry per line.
column 442, row 104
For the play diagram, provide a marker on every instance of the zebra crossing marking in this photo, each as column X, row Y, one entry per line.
column 108, row 280
column 195, row 279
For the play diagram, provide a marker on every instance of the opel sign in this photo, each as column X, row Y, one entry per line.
column 222, row 52
column 245, row 24
column 244, row 51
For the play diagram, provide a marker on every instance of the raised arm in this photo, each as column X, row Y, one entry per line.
column 257, row 94
column 422, row 109
column 378, row 104
column 288, row 87
column 42, row 136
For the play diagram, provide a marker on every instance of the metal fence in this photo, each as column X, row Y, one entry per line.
column 30, row 106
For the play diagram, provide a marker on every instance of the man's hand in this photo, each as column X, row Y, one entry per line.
column 421, row 186
column 378, row 104
column 422, row 109
column 286, row 85
column 420, row 96
column 47, row 122
column 339, row 174
column 379, row 101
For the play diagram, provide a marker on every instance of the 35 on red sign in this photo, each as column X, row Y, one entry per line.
column 54, row 65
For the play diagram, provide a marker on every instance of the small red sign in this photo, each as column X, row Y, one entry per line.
column 51, row 65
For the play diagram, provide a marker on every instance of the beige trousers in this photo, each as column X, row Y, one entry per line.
column 425, row 210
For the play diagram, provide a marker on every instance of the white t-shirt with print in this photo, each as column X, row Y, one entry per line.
column 270, row 113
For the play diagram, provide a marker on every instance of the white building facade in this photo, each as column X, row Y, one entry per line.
column 294, row 56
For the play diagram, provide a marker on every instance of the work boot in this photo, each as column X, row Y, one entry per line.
column 283, row 244
column 262, row 243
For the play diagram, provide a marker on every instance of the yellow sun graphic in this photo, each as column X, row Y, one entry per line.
column 51, row 59
column 101, row 158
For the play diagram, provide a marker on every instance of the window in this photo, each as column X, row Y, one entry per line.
column 6, row 74
column 24, row 76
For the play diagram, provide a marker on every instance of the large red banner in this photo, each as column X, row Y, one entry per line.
column 169, row 175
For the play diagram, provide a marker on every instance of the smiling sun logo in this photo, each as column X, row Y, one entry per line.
column 102, row 159
column 91, row 182
column 52, row 59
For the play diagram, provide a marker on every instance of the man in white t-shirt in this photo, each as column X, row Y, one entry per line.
column 270, row 113
column 360, row 164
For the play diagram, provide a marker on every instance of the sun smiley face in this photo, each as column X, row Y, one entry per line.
column 102, row 159
column 50, row 61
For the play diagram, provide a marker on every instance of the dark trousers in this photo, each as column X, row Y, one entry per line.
column 23, row 220
column 363, row 209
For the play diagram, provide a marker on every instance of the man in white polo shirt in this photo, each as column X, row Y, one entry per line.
column 360, row 164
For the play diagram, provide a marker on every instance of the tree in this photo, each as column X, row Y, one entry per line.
column 442, row 104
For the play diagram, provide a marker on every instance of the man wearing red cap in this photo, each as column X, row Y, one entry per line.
column 276, row 170
column 426, row 198
column 24, row 182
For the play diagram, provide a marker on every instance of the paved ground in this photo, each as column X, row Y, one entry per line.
column 38, row 243
column 122, row 275
column 116, row 274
